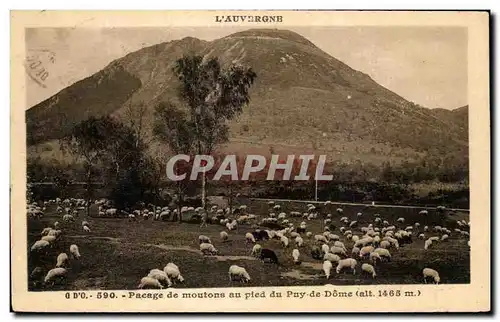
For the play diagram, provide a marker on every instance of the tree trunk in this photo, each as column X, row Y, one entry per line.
column 89, row 188
column 230, row 199
column 180, row 200
column 204, row 198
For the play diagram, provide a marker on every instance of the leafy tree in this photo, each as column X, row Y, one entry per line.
column 213, row 96
column 172, row 127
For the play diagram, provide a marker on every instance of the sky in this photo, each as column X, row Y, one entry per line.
column 426, row 65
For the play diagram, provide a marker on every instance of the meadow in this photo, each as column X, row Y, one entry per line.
column 117, row 252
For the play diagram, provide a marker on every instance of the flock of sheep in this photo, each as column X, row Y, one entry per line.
column 369, row 245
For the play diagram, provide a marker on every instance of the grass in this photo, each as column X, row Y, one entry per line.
column 118, row 253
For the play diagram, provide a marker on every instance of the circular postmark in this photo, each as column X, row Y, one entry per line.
column 38, row 64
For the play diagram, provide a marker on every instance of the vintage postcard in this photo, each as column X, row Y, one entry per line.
column 250, row 161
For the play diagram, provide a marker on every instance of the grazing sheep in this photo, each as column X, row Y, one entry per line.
column 239, row 272
column 85, row 223
column 284, row 241
column 365, row 251
column 355, row 238
column 74, row 252
column 36, row 273
column 325, row 248
column 327, row 267
column 62, row 260
column 40, row 245
column 173, row 272
column 224, row 236
column 256, row 250
column 86, row 229
column 268, row 254
column 54, row 274
column 355, row 251
column 207, row 248
column 401, row 220
column 320, row 238
column 427, row 244
column 444, row 237
column 384, row 253
column 204, row 239
column 45, row 231
column 296, row 255
column 421, row 236
column 49, row 239
column 316, row 252
column 353, row 223
column 368, row 269
column 149, row 283
column 249, row 238
column 54, row 232
column 429, row 272
column 299, row 241
column 309, row 234
column 161, row 276
column 338, row 250
column 331, row 257
column 426, row 228
column 374, row 256
column 434, row 238
column 347, row 263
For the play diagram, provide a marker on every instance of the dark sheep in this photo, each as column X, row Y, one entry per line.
column 316, row 253
column 268, row 254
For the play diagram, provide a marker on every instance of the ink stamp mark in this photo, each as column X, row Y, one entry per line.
column 38, row 64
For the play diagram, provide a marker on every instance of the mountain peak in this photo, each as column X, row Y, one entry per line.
column 272, row 33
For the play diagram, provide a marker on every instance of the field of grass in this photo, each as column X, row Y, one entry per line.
column 118, row 253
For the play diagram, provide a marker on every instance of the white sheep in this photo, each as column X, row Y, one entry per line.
column 355, row 251
column 338, row 250
column 320, row 238
column 249, row 238
column 296, row 255
column 369, row 269
column 256, row 250
column 429, row 272
column 365, row 251
column 427, row 244
column 173, row 272
column 347, row 263
column 327, row 267
column 62, row 260
column 86, row 229
column 374, row 256
column 421, row 236
column 207, row 248
column 426, row 228
column 49, row 239
column 383, row 253
column 45, row 231
column 354, row 238
column 238, row 272
column 204, row 239
column 339, row 244
column 444, row 237
column 39, row 245
column 309, row 234
column 54, row 273
column 299, row 241
column 325, row 248
column 73, row 250
column 149, row 283
column 224, row 236
column 161, row 276
column 401, row 220
column 331, row 257
column 284, row 241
